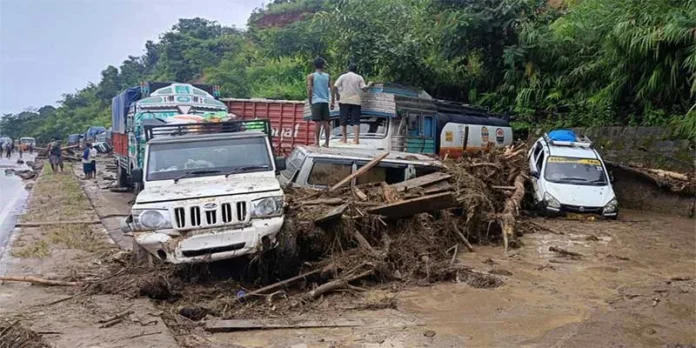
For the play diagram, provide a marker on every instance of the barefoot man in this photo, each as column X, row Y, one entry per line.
column 349, row 88
column 318, row 84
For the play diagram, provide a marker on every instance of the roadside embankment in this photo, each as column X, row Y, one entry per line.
column 66, row 316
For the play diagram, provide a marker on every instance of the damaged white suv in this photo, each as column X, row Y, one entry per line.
column 569, row 176
column 209, row 193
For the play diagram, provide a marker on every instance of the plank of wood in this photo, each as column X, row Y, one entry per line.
column 332, row 214
column 50, row 223
column 421, row 181
column 266, row 324
column 415, row 206
column 439, row 187
column 359, row 172
column 327, row 201
column 30, row 279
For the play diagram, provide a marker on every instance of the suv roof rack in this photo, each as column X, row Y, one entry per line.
column 580, row 141
column 160, row 128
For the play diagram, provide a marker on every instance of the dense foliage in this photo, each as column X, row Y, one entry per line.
column 572, row 62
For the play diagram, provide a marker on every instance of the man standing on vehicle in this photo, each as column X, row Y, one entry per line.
column 318, row 86
column 349, row 88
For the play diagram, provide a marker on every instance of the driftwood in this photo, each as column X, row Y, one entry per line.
column 35, row 280
column 389, row 194
column 359, row 172
column 50, row 223
column 266, row 324
column 359, row 193
column 336, row 284
column 667, row 174
column 564, row 252
column 511, row 211
column 281, row 283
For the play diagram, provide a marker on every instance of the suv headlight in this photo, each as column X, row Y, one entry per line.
column 267, row 207
column 154, row 219
column 611, row 207
column 551, row 201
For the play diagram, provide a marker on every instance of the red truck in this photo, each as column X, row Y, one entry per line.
column 286, row 117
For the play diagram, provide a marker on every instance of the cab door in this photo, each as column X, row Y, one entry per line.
column 536, row 163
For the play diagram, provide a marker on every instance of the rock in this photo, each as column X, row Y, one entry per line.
column 650, row 331
column 19, row 161
column 429, row 333
column 500, row 271
column 29, row 186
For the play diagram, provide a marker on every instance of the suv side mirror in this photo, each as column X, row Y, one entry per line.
column 535, row 174
column 137, row 175
column 612, row 179
column 280, row 164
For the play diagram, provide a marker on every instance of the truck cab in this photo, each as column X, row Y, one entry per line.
column 209, row 193
column 319, row 168
column 569, row 176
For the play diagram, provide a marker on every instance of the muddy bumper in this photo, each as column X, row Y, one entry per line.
column 211, row 244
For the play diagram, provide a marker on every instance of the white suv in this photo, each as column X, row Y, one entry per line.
column 569, row 176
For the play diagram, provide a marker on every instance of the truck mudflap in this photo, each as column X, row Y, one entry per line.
column 211, row 244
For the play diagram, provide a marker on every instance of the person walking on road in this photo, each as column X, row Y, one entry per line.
column 86, row 161
column 55, row 155
column 318, row 91
column 93, row 159
column 348, row 91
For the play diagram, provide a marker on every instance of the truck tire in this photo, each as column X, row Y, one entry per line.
column 123, row 177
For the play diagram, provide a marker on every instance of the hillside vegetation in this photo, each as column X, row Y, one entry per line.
column 560, row 63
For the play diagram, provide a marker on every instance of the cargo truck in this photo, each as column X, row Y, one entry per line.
column 394, row 118
column 157, row 102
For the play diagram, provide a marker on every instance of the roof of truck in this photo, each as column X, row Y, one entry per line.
column 368, row 154
column 203, row 137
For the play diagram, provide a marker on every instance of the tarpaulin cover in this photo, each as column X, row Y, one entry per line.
column 94, row 130
column 119, row 108
column 562, row 135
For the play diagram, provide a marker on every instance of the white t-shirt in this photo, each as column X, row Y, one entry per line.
column 92, row 154
column 350, row 87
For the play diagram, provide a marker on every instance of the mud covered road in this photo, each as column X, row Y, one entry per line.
column 633, row 286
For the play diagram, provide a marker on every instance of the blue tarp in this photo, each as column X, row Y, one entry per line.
column 562, row 135
column 119, row 108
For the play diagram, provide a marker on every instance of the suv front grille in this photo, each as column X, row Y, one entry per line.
column 203, row 215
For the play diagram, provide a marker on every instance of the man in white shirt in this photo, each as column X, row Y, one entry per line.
column 348, row 90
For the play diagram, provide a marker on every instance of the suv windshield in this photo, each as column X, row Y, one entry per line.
column 573, row 170
column 370, row 127
column 210, row 157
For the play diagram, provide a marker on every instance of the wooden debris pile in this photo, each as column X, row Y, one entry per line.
column 14, row 334
column 409, row 231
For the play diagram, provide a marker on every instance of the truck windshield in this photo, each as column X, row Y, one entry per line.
column 209, row 157
column 577, row 171
column 370, row 127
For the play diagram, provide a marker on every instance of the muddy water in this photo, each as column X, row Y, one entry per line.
column 12, row 198
column 618, row 294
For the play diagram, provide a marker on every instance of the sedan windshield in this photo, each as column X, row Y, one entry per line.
column 572, row 170
column 211, row 157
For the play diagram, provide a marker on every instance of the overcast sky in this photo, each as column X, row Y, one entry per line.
column 51, row 47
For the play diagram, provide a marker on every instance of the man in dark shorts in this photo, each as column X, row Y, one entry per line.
column 318, row 86
column 55, row 157
column 349, row 88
